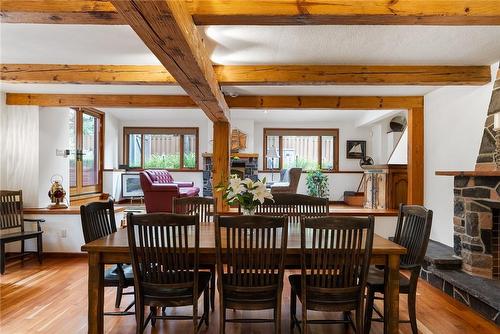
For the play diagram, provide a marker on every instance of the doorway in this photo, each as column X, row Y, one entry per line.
column 86, row 151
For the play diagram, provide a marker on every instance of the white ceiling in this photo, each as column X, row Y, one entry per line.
column 143, row 115
column 95, row 44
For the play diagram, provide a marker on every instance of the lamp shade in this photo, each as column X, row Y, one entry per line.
column 272, row 153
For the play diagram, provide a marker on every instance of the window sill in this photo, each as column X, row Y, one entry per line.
column 324, row 171
column 169, row 170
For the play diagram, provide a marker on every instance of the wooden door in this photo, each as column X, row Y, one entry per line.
column 86, row 145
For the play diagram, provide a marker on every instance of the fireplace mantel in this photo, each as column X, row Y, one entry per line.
column 493, row 173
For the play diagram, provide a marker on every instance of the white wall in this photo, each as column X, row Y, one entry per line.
column 112, row 147
column 454, row 122
column 19, row 153
column 53, row 134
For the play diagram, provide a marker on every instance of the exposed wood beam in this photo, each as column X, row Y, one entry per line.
column 103, row 101
column 87, row 74
column 220, row 161
column 168, row 30
column 416, row 155
column 240, row 102
column 271, row 12
column 59, row 12
column 252, row 74
column 324, row 102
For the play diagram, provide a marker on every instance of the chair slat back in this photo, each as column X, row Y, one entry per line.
column 294, row 206
column 254, row 248
column 205, row 207
column 165, row 249
column 98, row 220
column 11, row 209
column 336, row 251
column 413, row 232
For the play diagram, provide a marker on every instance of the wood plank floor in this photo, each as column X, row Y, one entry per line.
column 52, row 298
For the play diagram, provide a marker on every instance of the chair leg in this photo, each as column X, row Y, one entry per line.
column 139, row 316
column 22, row 252
column 39, row 248
column 277, row 318
column 293, row 310
column 412, row 301
column 119, row 293
column 195, row 316
column 304, row 318
column 206, row 305
column 359, row 319
column 370, row 296
column 222, row 318
column 2, row 258
column 212, row 288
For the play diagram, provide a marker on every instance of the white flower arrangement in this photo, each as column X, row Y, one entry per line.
column 247, row 193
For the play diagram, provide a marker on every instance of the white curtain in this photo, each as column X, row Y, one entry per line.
column 19, row 150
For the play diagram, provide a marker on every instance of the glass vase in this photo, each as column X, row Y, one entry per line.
column 248, row 212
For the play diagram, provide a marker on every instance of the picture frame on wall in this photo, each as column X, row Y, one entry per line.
column 131, row 185
column 355, row 149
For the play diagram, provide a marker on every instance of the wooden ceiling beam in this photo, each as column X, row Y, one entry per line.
column 239, row 102
column 270, row 12
column 168, row 30
column 252, row 74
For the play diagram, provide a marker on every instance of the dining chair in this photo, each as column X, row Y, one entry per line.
column 206, row 208
column 413, row 231
column 294, row 206
column 98, row 221
column 253, row 249
column 165, row 249
column 12, row 218
column 335, row 257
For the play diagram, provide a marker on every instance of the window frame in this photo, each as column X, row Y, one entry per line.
column 319, row 132
column 128, row 130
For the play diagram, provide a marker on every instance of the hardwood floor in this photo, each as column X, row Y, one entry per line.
column 52, row 298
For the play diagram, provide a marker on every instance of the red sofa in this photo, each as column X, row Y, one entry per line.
column 160, row 188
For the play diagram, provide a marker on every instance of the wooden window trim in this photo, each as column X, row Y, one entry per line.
column 320, row 132
column 127, row 130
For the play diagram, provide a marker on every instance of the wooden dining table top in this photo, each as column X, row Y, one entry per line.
column 118, row 242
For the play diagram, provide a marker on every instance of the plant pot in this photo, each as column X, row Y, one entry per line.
column 248, row 212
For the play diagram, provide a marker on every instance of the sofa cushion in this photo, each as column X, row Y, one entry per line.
column 189, row 191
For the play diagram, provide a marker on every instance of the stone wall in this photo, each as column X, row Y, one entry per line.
column 476, row 205
column 486, row 157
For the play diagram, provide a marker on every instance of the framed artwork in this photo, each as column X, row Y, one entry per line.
column 356, row 149
column 131, row 185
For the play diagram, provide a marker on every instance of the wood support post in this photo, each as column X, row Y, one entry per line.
column 220, row 161
column 416, row 156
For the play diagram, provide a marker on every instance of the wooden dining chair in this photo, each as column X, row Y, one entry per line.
column 335, row 257
column 206, row 209
column 253, row 248
column 412, row 232
column 294, row 206
column 98, row 221
column 165, row 249
column 12, row 220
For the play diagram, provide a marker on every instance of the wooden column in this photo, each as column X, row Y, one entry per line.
column 220, row 161
column 416, row 155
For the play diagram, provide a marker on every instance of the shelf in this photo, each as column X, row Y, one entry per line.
column 493, row 173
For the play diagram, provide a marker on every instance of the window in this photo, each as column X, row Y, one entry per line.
column 304, row 148
column 171, row 148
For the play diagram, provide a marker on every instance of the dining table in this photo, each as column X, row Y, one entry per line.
column 114, row 249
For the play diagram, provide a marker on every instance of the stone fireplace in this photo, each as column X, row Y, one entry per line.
column 477, row 203
column 476, row 224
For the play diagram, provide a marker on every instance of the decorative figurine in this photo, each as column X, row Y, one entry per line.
column 57, row 193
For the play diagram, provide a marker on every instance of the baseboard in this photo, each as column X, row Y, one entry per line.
column 49, row 254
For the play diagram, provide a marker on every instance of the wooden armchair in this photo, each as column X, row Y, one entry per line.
column 11, row 218
column 254, row 249
column 335, row 259
column 412, row 232
column 98, row 220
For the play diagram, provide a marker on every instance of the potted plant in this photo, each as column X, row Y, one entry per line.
column 247, row 193
column 317, row 184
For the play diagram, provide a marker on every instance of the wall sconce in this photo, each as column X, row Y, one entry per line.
column 496, row 128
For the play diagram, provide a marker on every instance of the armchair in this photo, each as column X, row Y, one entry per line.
column 160, row 188
column 289, row 181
